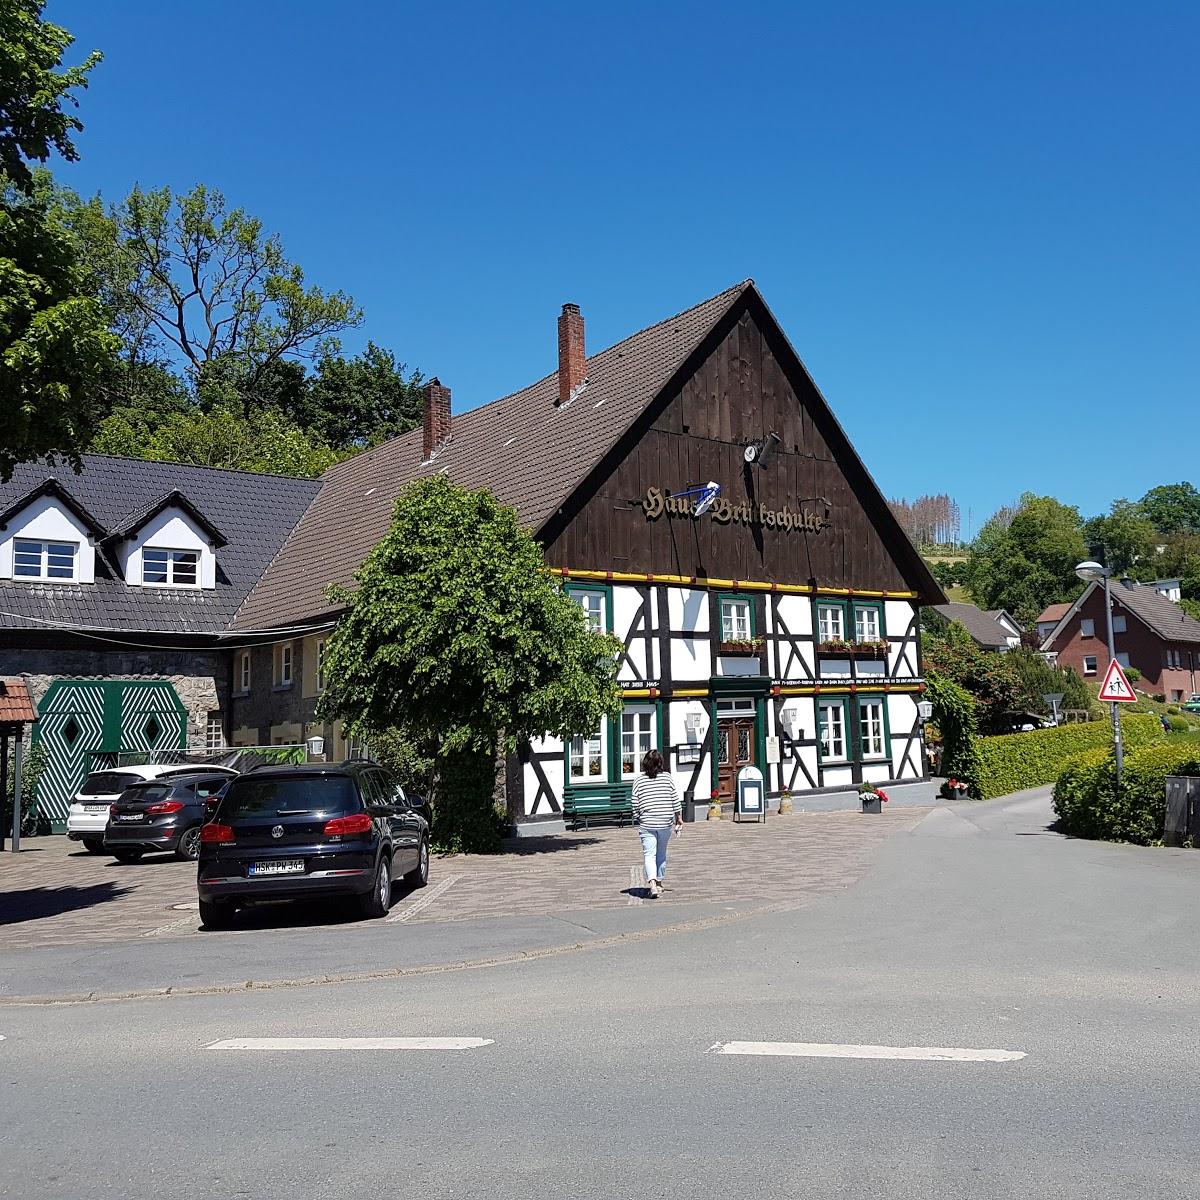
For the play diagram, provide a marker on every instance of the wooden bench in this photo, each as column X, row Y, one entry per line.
column 581, row 806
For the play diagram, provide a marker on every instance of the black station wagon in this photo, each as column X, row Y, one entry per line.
column 289, row 833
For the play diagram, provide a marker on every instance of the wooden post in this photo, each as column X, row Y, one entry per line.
column 3, row 777
column 18, row 763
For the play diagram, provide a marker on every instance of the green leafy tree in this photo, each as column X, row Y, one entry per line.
column 1025, row 562
column 55, row 348
column 1173, row 508
column 948, row 650
column 362, row 400
column 187, row 280
column 35, row 91
column 457, row 639
column 1125, row 538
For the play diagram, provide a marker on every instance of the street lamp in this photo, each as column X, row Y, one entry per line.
column 1093, row 572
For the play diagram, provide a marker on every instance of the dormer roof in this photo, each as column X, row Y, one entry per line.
column 51, row 487
column 172, row 499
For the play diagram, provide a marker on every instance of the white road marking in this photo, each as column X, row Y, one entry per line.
column 351, row 1043
column 188, row 922
column 829, row 1050
column 427, row 897
column 635, row 882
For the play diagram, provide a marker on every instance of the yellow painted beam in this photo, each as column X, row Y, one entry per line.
column 751, row 585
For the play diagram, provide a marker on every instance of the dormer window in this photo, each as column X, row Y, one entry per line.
column 170, row 568
column 44, row 560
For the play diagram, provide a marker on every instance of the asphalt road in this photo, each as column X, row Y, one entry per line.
column 977, row 931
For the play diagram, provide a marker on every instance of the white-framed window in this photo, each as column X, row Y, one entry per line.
column 214, row 733
column 1118, row 623
column 831, row 622
column 735, row 619
column 1087, row 627
column 593, row 605
column 833, row 731
column 587, row 757
column 866, row 625
column 44, row 560
column 637, row 738
column 1123, row 658
column 170, row 568
column 1174, row 658
column 320, row 673
column 244, row 671
column 871, row 728
column 283, row 665
column 1089, row 664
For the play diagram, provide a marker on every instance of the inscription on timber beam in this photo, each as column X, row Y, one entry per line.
column 656, row 502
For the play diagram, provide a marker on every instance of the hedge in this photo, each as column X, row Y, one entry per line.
column 1015, row 761
column 1088, row 805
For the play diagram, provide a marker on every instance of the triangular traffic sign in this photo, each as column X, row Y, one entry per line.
column 1115, row 689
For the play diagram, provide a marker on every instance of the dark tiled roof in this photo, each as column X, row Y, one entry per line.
column 1163, row 616
column 530, row 453
column 982, row 626
column 254, row 512
column 15, row 702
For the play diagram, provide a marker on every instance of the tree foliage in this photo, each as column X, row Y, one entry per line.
column 36, row 91
column 1124, row 539
column 458, row 639
column 1024, row 563
column 55, row 349
column 1173, row 508
column 361, row 401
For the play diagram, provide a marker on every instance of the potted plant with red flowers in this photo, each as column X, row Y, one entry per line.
column 714, row 805
column 954, row 789
column 871, row 797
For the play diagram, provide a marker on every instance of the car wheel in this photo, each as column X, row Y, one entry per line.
column 418, row 877
column 379, row 899
column 128, row 854
column 189, row 844
column 94, row 845
column 214, row 914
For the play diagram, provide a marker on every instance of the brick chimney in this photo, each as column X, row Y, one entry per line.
column 571, row 358
column 437, row 417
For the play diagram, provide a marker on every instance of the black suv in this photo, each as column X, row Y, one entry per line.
column 162, row 814
column 290, row 833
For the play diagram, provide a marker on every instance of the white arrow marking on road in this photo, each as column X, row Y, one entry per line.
column 830, row 1050
column 426, row 899
column 350, row 1043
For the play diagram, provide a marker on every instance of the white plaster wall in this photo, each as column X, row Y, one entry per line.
column 838, row 777
column 902, row 715
column 625, row 602
column 897, row 616
column 687, row 609
column 172, row 529
column 796, row 613
column 691, row 660
column 46, row 520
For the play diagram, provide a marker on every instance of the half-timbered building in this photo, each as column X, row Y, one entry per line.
column 777, row 627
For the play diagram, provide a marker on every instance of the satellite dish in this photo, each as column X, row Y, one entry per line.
column 708, row 496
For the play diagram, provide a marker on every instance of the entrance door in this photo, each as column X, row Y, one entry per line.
column 735, row 750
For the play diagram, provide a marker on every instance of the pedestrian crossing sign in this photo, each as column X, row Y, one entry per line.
column 1115, row 689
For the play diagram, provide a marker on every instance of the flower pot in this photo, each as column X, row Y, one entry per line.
column 872, row 804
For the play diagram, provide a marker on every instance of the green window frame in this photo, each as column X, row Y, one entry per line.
column 736, row 635
column 885, row 731
column 839, row 704
column 584, row 594
column 825, row 629
column 863, row 607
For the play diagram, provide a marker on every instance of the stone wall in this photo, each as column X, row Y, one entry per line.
column 200, row 677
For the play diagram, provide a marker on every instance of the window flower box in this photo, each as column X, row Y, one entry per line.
column 743, row 647
column 839, row 647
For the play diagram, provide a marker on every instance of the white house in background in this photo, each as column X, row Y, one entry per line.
column 1170, row 588
column 990, row 629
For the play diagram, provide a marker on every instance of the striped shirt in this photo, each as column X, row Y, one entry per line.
column 656, row 801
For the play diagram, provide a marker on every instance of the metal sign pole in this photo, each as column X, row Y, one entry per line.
column 1116, row 708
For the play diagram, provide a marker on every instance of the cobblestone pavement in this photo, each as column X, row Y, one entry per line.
column 55, row 894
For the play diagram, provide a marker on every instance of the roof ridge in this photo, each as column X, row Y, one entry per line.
column 169, row 462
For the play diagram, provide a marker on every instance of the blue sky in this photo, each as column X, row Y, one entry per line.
column 977, row 222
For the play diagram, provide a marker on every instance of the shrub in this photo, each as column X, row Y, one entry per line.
column 1088, row 804
column 1179, row 724
column 1173, row 710
column 1132, row 674
column 1015, row 761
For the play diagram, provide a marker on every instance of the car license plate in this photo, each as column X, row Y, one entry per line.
column 95, row 808
column 280, row 866
column 129, row 816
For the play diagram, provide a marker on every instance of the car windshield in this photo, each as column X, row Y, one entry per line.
column 250, row 797
column 108, row 783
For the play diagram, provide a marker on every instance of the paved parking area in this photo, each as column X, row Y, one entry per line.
column 55, row 894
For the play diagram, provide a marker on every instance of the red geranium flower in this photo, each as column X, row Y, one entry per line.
column 881, row 794
column 715, row 794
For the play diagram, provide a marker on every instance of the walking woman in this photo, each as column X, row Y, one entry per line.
column 657, row 811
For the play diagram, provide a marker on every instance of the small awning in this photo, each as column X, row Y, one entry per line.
column 16, row 705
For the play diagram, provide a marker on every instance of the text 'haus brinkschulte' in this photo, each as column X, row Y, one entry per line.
column 779, row 628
